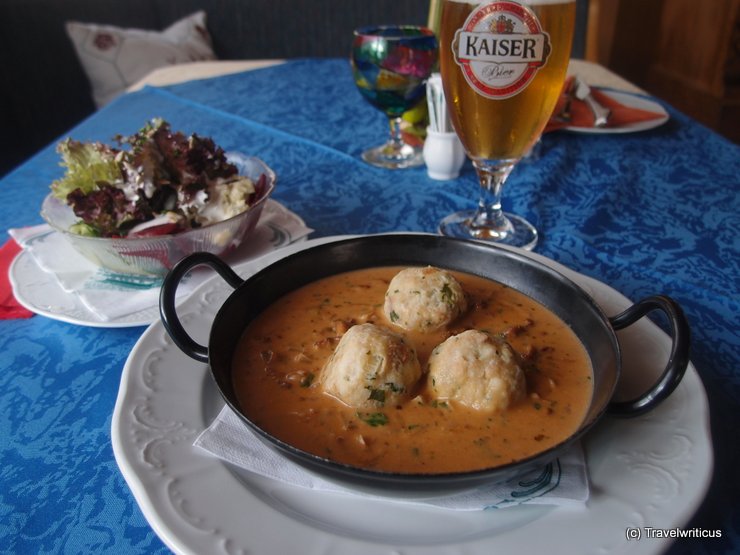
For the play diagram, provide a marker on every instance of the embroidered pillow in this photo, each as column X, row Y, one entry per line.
column 114, row 58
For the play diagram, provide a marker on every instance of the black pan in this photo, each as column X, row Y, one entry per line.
column 563, row 297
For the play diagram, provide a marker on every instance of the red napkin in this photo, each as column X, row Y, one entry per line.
column 9, row 307
column 581, row 116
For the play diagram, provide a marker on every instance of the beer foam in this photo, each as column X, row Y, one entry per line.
column 525, row 2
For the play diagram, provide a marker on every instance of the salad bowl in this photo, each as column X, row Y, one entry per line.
column 157, row 254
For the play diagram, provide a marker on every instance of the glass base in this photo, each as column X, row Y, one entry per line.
column 517, row 233
column 391, row 157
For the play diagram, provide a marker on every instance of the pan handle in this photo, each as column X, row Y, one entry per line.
column 167, row 309
column 677, row 361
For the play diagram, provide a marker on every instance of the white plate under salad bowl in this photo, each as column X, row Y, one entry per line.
column 41, row 292
column 652, row 470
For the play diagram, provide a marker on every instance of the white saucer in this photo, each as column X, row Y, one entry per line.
column 653, row 470
column 632, row 101
column 41, row 293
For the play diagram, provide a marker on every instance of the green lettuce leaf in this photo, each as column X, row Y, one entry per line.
column 87, row 164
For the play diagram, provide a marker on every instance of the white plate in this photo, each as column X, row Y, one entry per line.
column 632, row 101
column 648, row 471
column 41, row 293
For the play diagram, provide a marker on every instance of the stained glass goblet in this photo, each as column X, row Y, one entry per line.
column 390, row 66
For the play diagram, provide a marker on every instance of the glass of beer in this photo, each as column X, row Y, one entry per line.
column 503, row 64
column 390, row 66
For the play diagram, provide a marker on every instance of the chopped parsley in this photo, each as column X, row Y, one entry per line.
column 376, row 395
column 307, row 380
column 373, row 419
column 447, row 295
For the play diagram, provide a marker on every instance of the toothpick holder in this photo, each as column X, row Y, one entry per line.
column 443, row 154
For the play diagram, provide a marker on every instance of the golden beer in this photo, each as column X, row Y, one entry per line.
column 504, row 127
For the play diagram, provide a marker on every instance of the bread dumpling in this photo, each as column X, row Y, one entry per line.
column 477, row 370
column 371, row 367
column 424, row 299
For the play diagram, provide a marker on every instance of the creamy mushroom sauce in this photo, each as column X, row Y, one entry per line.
column 278, row 362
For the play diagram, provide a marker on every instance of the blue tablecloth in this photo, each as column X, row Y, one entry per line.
column 651, row 212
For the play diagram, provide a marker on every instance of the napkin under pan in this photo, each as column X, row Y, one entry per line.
column 564, row 482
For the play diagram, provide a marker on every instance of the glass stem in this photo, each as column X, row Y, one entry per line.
column 489, row 220
column 396, row 138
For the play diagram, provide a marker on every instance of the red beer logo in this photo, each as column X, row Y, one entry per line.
column 500, row 48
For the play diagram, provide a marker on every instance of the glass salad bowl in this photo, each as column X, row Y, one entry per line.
column 157, row 254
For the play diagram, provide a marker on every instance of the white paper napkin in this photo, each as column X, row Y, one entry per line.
column 564, row 482
column 109, row 295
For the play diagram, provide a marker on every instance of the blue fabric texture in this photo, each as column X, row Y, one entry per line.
column 647, row 213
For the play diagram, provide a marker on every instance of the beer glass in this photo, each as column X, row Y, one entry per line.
column 503, row 64
column 390, row 65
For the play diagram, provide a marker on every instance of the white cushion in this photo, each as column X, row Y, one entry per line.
column 114, row 58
